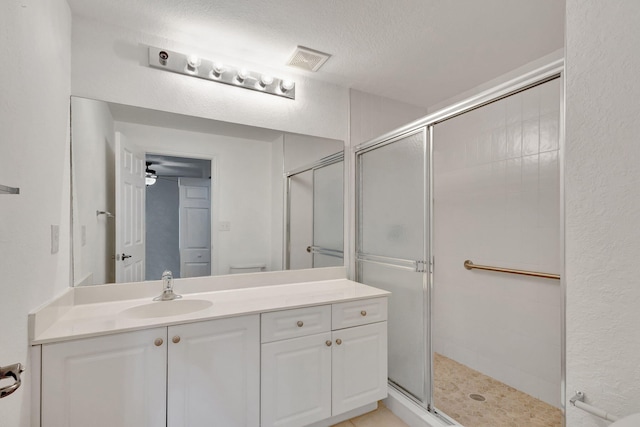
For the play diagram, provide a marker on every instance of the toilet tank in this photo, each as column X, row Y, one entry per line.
column 246, row 268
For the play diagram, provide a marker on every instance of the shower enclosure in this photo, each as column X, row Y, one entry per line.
column 478, row 181
column 314, row 231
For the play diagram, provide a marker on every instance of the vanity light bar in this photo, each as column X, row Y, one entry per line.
column 191, row 65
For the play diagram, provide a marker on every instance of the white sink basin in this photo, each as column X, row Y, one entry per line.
column 166, row 308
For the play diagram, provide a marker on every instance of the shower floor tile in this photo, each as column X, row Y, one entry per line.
column 504, row 405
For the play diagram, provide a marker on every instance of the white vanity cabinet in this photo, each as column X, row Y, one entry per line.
column 113, row 380
column 190, row 375
column 213, row 373
column 338, row 364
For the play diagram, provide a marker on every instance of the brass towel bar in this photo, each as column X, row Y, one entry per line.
column 469, row 266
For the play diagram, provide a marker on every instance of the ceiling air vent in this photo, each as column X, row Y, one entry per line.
column 308, row 59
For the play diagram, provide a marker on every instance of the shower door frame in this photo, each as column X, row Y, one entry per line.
column 325, row 161
column 526, row 81
column 422, row 266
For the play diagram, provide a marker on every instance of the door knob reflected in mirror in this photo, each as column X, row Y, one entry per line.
column 125, row 256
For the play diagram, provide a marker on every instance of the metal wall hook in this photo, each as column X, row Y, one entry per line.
column 11, row 371
column 108, row 214
column 4, row 189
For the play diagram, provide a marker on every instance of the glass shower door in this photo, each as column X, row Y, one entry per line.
column 328, row 211
column 392, row 250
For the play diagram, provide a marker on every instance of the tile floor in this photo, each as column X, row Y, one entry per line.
column 381, row 417
column 504, row 406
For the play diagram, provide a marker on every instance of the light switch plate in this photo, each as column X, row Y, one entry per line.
column 55, row 238
column 224, row 226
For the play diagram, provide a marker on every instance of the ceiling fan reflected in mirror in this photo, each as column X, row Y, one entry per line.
column 150, row 175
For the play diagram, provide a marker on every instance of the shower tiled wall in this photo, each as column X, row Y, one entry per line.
column 497, row 202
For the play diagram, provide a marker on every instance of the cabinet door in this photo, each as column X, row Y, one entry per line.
column 359, row 366
column 116, row 380
column 296, row 381
column 213, row 373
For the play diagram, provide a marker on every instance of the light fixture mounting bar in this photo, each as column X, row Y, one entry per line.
column 206, row 69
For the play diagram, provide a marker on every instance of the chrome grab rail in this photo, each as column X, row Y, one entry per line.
column 578, row 401
column 11, row 371
column 470, row 265
column 325, row 251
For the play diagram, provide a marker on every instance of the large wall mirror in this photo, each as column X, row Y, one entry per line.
column 155, row 191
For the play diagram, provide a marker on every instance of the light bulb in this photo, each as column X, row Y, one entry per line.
column 265, row 80
column 217, row 69
column 193, row 62
column 242, row 75
column 286, row 85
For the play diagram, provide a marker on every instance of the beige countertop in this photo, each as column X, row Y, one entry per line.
column 70, row 317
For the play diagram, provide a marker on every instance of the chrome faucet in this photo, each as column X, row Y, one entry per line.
column 167, row 288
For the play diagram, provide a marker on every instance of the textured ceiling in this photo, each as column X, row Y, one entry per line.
column 417, row 51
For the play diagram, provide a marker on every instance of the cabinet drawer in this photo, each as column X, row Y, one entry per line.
column 299, row 322
column 354, row 313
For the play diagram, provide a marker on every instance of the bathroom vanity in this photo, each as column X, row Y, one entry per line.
column 270, row 349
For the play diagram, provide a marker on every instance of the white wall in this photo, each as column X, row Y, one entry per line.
column 372, row 115
column 93, row 186
column 603, row 206
column 497, row 202
column 34, row 155
column 557, row 55
column 243, row 172
column 110, row 64
column 277, row 205
column 302, row 150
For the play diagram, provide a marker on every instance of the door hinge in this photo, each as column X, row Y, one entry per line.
column 421, row 267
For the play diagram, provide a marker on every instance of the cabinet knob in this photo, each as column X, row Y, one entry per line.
column 158, row 342
column 300, row 323
column 175, row 339
column 328, row 343
column 363, row 313
column 338, row 341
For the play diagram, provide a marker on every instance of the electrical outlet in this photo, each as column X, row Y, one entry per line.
column 224, row 226
column 55, row 238
column 83, row 234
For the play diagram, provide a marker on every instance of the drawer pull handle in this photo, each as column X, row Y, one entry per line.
column 363, row 313
column 158, row 342
column 300, row 323
column 176, row 339
column 328, row 343
column 338, row 341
